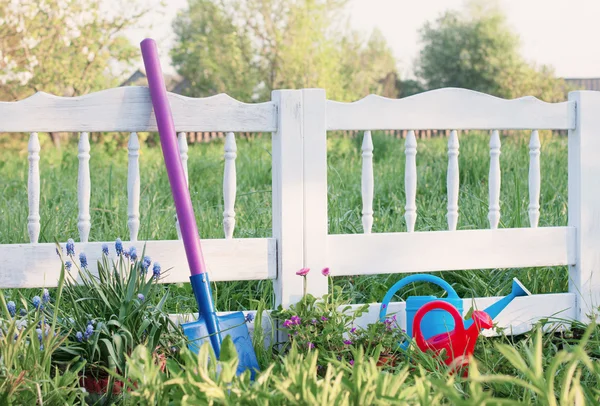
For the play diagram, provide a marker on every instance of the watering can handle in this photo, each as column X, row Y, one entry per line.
column 410, row 279
column 426, row 308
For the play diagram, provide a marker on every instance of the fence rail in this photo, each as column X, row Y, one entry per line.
column 299, row 121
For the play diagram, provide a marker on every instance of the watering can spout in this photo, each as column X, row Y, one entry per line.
column 494, row 310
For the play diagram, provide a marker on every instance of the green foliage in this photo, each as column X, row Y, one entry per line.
column 67, row 47
column 477, row 50
column 107, row 315
column 248, row 48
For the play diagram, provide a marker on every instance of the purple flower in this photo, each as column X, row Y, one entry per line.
column 12, row 308
column 83, row 260
column 351, row 362
column 347, row 342
column 303, row 272
column 353, row 330
column 119, row 247
column 146, row 264
column 323, row 318
column 156, row 270
column 249, row 318
column 105, row 249
column 79, row 336
column 314, row 321
column 37, row 302
column 325, row 271
column 45, row 296
column 311, row 346
column 296, row 320
column 287, row 323
column 383, row 306
column 88, row 332
column 70, row 247
column 68, row 265
column 132, row 253
column 141, row 297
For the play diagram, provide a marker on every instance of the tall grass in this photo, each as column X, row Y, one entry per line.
column 58, row 203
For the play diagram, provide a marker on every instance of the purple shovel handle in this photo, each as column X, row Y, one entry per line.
column 168, row 140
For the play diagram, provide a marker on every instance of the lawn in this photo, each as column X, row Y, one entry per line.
column 345, row 367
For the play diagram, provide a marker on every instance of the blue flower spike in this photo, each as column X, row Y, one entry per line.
column 12, row 308
column 45, row 296
column 156, row 270
column 37, row 302
column 105, row 249
column 68, row 265
column 70, row 247
column 132, row 253
column 83, row 260
column 119, row 247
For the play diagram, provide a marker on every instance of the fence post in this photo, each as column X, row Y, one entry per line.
column 584, row 202
column 288, row 195
column 314, row 127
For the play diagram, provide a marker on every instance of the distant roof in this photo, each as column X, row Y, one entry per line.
column 174, row 83
column 584, row 83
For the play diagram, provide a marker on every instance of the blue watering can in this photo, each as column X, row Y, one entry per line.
column 439, row 321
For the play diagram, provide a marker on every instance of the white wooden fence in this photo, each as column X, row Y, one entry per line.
column 299, row 121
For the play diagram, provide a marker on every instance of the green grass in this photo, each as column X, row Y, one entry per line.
column 58, row 204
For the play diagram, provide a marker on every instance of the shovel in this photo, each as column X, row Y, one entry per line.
column 208, row 325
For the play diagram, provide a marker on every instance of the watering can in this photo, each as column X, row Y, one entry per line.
column 458, row 343
column 439, row 320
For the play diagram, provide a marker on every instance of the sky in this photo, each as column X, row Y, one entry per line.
column 560, row 33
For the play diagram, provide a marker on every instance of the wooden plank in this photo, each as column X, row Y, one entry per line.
column 130, row 109
column 359, row 254
column 37, row 265
column 449, row 108
column 584, row 203
column 517, row 318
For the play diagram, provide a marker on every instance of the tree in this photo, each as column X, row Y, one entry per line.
column 248, row 48
column 477, row 50
column 63, row 47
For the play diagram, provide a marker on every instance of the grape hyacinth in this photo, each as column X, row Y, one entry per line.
column 132, row 253
column 22, row 312
column 119, row 247
column 141, row 297
column 83, row 260
column 88, row 331
column 68, row 265
column 105, row 249
column 12, row 308
column 156, row 270
column 37, row 302
column 146, row 264
column 45, row 296
column 70, row 247
column 39, row 334
column 79, row 336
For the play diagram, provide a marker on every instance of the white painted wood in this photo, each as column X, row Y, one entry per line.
column 410, row 181
column 534, row 179
column 584, row 203
column 133, row 186
column 494, row 180
column 229, row 185
column 183, row 154
column 449, row 108
column 129, row 108
column 358, row 254
column 367, row 183
column 315, row 189
column 84, row 187
column 288, row 196
column 33, row 188
column 29, row 266
column 452, row 180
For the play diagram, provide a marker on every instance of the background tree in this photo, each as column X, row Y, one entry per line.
column 476, row 49
column 63, row 47
column 248, row 48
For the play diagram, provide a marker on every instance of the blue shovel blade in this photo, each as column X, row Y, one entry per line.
column 233, row 325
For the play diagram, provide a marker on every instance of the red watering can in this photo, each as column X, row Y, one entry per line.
column 458, row 343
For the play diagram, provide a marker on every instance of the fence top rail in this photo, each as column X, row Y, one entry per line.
column 130, row 109
column 450, row 108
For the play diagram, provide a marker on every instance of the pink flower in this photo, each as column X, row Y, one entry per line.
column 323, row 318
column 325, row 271
column 311, row 346
column 295, row 320
column 287, row 323
column 303, row 272
column 351, row 362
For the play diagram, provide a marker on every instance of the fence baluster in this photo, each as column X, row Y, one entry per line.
column 133, row 186
column 33, row 188
column 229, row 185
column 452, row 181
column 534, row 179
column 494, row 180
column 367, row 183
column 183, row 154
column 410, row 181
column 84, row 187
